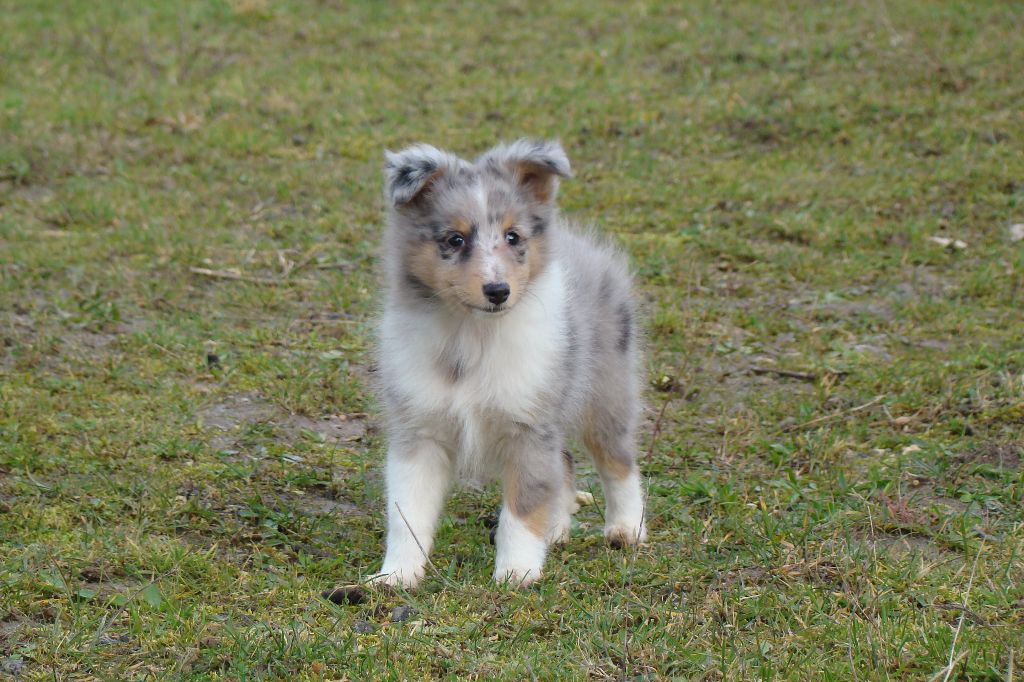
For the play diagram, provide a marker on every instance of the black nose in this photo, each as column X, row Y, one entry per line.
column 497, row 292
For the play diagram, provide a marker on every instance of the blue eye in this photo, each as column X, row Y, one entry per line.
column 456, row 241
column 512, row 237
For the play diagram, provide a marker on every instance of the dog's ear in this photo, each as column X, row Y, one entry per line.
column 535, row 165
column 410, row 173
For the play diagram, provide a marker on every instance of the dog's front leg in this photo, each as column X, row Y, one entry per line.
column 418, row 476
column 533, row 512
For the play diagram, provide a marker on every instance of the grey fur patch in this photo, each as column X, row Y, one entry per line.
column 409, row 172
column 625, row 327
column 538, row 224
column 430, row 230
column 548, row 435
column 570, row 360
column 453, row 365
column 520, row 251
column 535, row 489
column 455, row 371
column 467, row 249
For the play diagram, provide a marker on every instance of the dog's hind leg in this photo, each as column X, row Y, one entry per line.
column 567, row 500
column 418, row 476
column 609, row 436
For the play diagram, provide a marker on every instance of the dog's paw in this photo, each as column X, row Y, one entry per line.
column 583, row 499
column 517, row 577
column 560, row 530
column 408, row 578
column 619, row 536
column 560, row 536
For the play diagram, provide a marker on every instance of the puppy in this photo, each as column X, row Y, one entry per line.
column 505, row 332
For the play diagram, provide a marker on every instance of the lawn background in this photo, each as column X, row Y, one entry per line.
column 187, row 460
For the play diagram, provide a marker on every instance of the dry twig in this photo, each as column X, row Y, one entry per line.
column 235, row 276
column 836, row 415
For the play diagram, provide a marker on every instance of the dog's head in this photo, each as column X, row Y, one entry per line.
column 473, row 234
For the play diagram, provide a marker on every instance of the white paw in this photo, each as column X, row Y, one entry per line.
column 559, row 533
column 517, row 576
column 408, row 577
column 520, row 554
column 625, row 535
column 583, row 498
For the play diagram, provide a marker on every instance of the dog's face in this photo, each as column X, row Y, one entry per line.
column 472, row 235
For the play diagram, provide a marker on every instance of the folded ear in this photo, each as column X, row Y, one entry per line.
column 410, row 173
column 535, row 165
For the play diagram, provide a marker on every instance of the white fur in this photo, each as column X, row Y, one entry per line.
column 417, row 482
column 520, row 553
column 508, row 363
column 561, row 517
column 624, row 510
column 492, row 268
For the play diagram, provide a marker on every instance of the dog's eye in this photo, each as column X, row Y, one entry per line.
column 512, row 237
column 456, row 241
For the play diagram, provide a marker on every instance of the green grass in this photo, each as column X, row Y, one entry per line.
column 775, row 171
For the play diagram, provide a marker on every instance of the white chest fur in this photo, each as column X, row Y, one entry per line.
column 467, row 378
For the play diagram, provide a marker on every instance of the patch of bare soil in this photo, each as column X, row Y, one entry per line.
column 334, row 429
column 20, row 327
column 814, row 570
column 314, row 504
column 898, row 545
column 842, row 309
column 234, row 413
column 237, row 410
column 86, row 341
column 15, row 327
column 1002, row 455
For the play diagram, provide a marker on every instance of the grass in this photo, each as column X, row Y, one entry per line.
column 187, row 461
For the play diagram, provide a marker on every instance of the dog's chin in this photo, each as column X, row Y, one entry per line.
column 488, row 311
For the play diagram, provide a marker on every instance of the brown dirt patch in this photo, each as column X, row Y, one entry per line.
column 322, row 505
column 334, row 429
column 1002, row 455
column 237, row 410
column 227, row 418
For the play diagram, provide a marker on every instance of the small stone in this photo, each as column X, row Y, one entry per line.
column 362, row 627
column 402, row 613
column 13, row 666
column 347, row 594
column 1017, row 232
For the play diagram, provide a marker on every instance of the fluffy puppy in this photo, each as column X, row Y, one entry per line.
column 504, row 333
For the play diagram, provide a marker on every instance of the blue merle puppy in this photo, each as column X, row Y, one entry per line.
column 505, row 333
